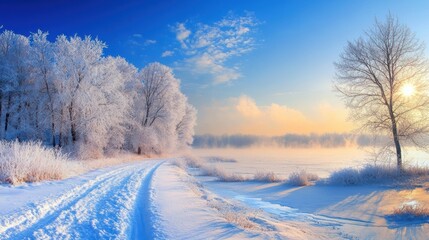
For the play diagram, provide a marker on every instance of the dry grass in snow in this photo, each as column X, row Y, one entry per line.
column 222, row 175
column 410, row 212
column 32, row 162
column 373, row 174
column 302, row 178
column 266, row 177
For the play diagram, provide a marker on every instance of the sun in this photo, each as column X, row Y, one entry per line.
column 408, row 90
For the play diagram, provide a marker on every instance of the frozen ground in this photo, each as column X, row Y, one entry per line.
column 154, row 199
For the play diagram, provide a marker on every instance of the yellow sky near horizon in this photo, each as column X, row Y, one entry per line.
column 243, row 115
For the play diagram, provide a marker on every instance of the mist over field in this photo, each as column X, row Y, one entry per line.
column 327, row 140
column 285, row 160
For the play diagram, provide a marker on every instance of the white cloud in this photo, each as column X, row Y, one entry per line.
column 149, row 42
column 208, row 48
column 167, row 53
column 137, row 40
column 182, row 34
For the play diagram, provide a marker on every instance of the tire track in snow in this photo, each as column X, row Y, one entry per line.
column 75, row 220
column 144, row 226
column 19, row 221
column 102, row 207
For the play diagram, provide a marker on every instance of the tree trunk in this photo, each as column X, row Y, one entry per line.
column 6, row 120
column 398, row 151
column 72, row 124
column 1, row 113
column 60, row 136
column 396, row 140
column 53, row 132
column 139, row 150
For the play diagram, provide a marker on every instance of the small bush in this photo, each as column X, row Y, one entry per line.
column 410, row 212
column 215, row 159
column 373, row 174
column 266, row 177
column 222, row 175
column 193, row 161
column 347, row 176
column 302, row 178
column 32, row 162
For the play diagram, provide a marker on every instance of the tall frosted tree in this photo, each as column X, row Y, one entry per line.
column 382, row 77
column 158, row 110
column 14, row 79
column 42, row 72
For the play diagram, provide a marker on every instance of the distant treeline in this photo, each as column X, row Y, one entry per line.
column 328, row 140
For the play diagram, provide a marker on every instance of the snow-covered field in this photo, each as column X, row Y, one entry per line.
column 155, row 199
column 284, row 161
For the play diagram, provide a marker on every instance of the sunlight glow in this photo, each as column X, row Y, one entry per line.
column 408, row 90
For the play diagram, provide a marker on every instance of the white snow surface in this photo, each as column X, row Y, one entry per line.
column 154, row 199
column 150, row 199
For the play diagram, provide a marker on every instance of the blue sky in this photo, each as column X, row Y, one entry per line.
column 276, row 76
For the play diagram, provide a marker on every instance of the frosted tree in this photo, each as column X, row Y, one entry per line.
column 158, row 110
column 104, row 117
column 14, row 50
column 76, row 62
column 382, row 78
column 185, row 127
column 42, row 71
column 121, row 100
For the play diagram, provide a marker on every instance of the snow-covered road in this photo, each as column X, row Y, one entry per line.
column 112, row 204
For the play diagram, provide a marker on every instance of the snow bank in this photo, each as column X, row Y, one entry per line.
column 32, row 162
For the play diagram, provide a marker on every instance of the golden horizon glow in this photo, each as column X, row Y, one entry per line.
column 408, row 90
column 243, row 115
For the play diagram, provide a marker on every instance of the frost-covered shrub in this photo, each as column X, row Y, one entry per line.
column 347, row 176
column 193, row 161
column 88, row 151
column 410, row 212
column 302, row 178
column 266, row 177
column 222, row 175
column 374, row 173
column 32, row 162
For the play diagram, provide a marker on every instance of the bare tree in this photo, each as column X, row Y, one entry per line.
column 382, row 78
